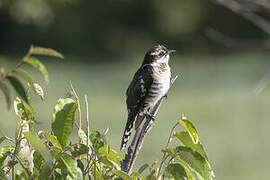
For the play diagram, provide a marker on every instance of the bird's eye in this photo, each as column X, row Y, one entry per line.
column 161, row 53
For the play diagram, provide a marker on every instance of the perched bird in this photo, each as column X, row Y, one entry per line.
column 150, row 83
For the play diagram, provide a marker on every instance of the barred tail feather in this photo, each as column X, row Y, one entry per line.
column 127, row 133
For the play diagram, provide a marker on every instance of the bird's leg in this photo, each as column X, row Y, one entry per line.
column 149, row 115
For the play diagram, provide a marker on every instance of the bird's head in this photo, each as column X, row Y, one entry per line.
column 158, row 54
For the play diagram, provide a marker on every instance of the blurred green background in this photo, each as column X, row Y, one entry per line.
column 104, row 43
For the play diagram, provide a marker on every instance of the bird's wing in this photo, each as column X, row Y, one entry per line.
column 139, row 87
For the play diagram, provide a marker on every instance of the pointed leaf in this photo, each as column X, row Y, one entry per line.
column 23, row 74
column 39, row 66
column 18, row 87
column 195, row 162
column 71, row 166
column 175, row 171
column 122, row 174
column 82, row 136
column 22, row 111
column 38, row 145
column 63, row 119
column 190, row 128
column 186, row 140
column 4, row 153
column 4, row 88
column 45, row 52
column 51, row 138
column 96, row 139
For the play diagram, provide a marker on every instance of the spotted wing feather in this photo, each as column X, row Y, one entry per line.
column 135, row 96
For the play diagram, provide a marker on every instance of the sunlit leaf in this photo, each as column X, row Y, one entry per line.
column 39, row 66
column 4, row 88
column 45, row 52
column 16, row 84
column 96, row 139
column 82, row 136
column 175, row 171
column 71, row 166
column 190, row 128
column 195, row 162
column 4, row 153
column 51, row 138
column 21, row 110
column 38, row 145
column 122, row 174
column 136, row 176
column 186, row 140
column 63, row 119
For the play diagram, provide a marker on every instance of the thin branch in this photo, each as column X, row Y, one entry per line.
column 254, row 18
column 79, row 106
column 230, row 42
column 139, row 137
column 88, row 134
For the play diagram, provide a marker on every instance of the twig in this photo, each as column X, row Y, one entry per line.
column 88, row 134
column 165, row 154
column 139, row 137
column 246, row 13
column 236, row 43
column 79, row 106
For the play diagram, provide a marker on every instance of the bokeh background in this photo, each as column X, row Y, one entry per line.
column 222, row 61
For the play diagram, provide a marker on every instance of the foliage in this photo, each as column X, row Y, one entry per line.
column 52, row 155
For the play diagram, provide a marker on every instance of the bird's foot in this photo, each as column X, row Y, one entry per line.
column 152, row 117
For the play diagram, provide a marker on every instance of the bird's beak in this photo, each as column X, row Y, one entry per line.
column 171, row 51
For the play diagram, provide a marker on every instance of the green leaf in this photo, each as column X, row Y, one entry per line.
column 38, row 145
column 21, row 110
column 136, row 176
column 45, row 52
column 82, row 136
column 39, row 66
column 4, row 153
column 18, row 87
column 175, row 171
column 195, row 162
column 51, row 138
column 2, row 139
column 45, row 171
column 4, row 88
column 190, row 128
column 79, row 149
column 25, row 76
column 96, row 139
column 3, row 175
column 63, row 119
column 37, row 160
column 71, row 166
column 186, row 140
column 122, row 174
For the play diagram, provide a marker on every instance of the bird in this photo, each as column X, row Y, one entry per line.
column 150, row 83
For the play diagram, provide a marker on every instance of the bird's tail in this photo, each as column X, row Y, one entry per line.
column 127, row 132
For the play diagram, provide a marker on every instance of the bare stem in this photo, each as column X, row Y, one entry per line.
column 88, row 134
